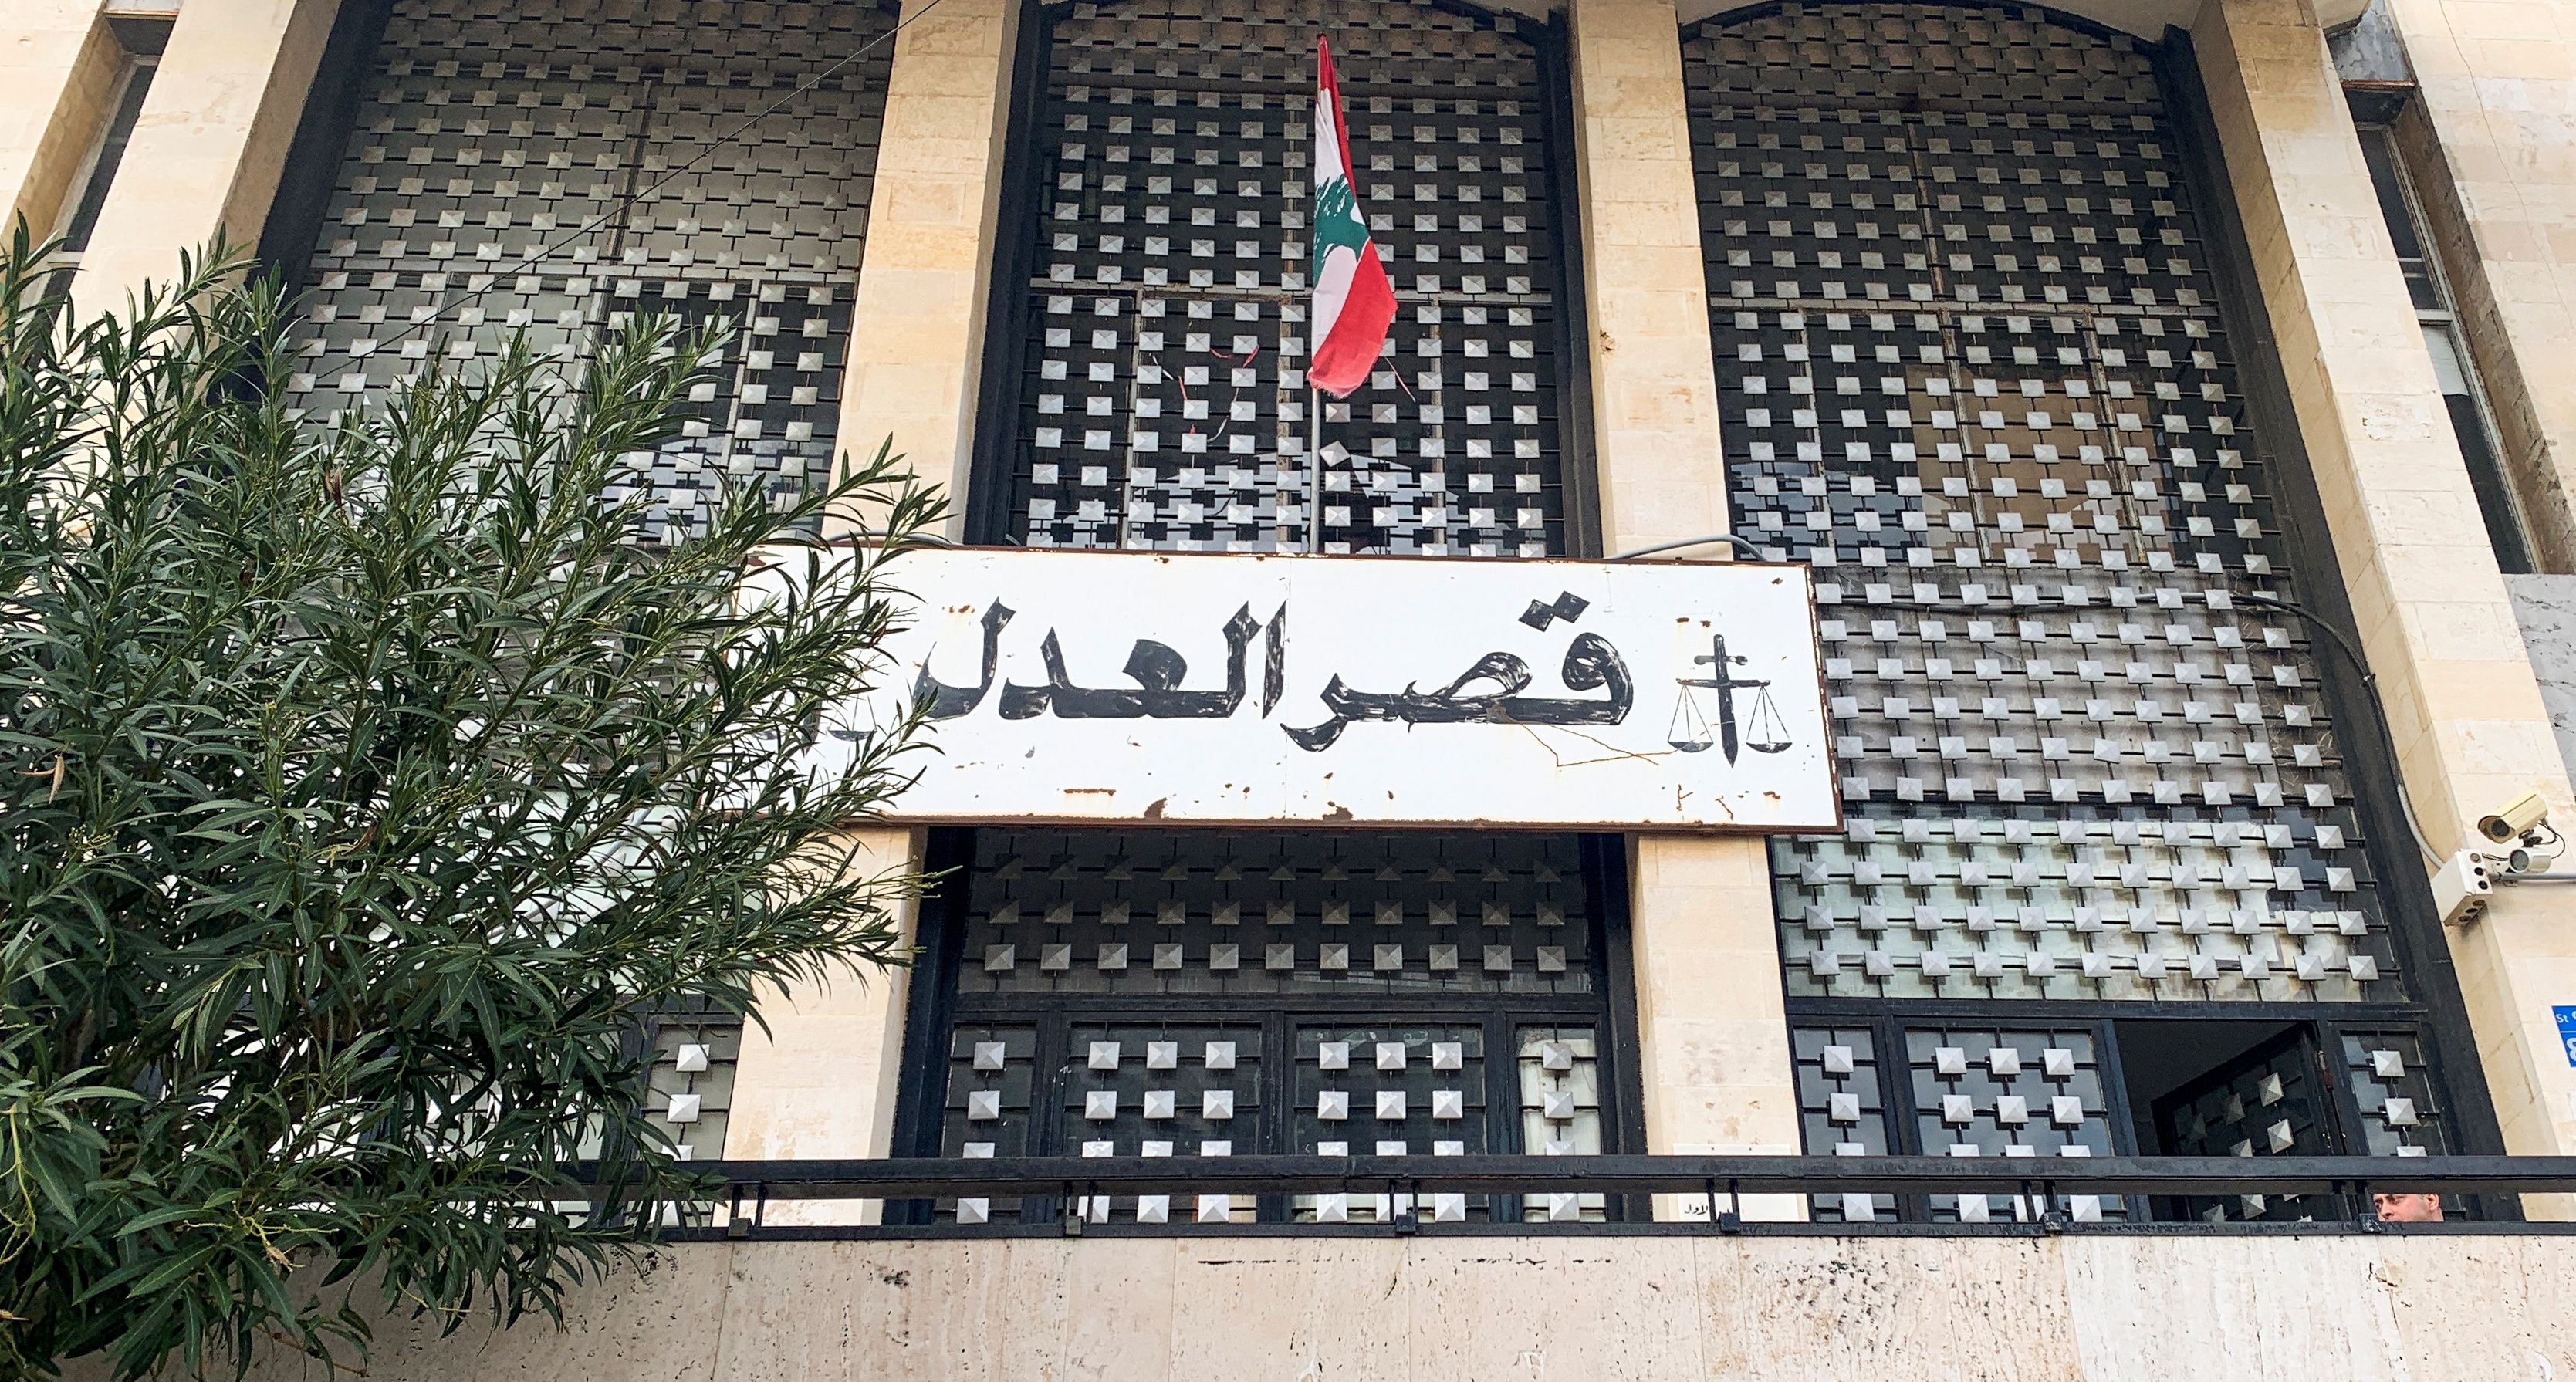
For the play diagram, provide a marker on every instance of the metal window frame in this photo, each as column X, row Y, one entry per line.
column 2319, row 1027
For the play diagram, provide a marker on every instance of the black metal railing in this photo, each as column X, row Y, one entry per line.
column 748, row 1188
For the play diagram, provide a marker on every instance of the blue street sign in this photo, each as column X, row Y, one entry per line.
column 2567, row 1030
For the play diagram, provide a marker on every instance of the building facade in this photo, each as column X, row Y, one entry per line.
column 2165, row 401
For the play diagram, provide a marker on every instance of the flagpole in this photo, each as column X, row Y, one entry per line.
column 1314, row 470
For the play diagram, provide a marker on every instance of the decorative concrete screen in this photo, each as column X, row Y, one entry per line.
column 1975, row 372
column 2102, row 887
column 1095, row 686
column 1126, row 990
column 574, row 164
column 1163, row 402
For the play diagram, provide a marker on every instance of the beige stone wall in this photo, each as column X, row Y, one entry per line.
column 2492, row 139
column 58, row 73
column 1711, row 1025
column 820, row 1081
column 917, row 334
column 1689, row 1309
column 211, row 142
column 2431, row 607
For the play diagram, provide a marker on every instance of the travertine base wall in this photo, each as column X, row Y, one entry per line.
column 211, row 142
column 1687, row 1309
column 917, row 334
column 820, row 1082
column 58, row 67
column 2492, row 137
column 2431, row 606
column 1713, row 1036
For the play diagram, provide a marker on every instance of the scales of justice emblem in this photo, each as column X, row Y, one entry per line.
column 1763, row 731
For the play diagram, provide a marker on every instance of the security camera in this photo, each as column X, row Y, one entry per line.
column 2514, row 819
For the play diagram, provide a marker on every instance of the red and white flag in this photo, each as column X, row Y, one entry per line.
column 1354, row 304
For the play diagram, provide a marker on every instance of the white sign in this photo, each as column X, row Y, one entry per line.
column 1246, row 689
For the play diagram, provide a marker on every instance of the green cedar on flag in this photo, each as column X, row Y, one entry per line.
column 1354, row 304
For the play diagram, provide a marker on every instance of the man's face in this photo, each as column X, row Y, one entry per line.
column 2409, row 1209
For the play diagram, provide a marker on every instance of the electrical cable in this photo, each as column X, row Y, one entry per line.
column 1742, row 544
column 2379, row 707
column 628, row 200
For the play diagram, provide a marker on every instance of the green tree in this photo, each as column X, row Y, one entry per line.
column 362, row 787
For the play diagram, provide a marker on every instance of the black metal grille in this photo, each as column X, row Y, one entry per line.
column 689, row 1081
column 490, row 131
column 1173, row 993
column 2265, row 1105
column 1972, row 371
column 1163, row 402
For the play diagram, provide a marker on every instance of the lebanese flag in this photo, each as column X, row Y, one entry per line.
column 1354, row 304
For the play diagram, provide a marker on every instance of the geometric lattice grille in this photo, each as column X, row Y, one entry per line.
column 1163, row 403
column 2265, row 1104
column 2401, row 1112
column 1206, row 993
column 1371, row 1090
column 689, row 1085
column 2013, row 1093
column 1162, row 1090
column 1842, row 1109
column 488, row 133
column 1972, row 373
column 1247, row 913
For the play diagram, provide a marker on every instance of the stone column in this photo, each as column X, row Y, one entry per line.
column 820, row 1083
column 2432, row 611
column 917, row 335
column 58, row 67
column 1713, row 1037
column 211, row 142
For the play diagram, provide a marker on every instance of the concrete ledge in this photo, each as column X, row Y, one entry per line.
column 2098, row 1308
